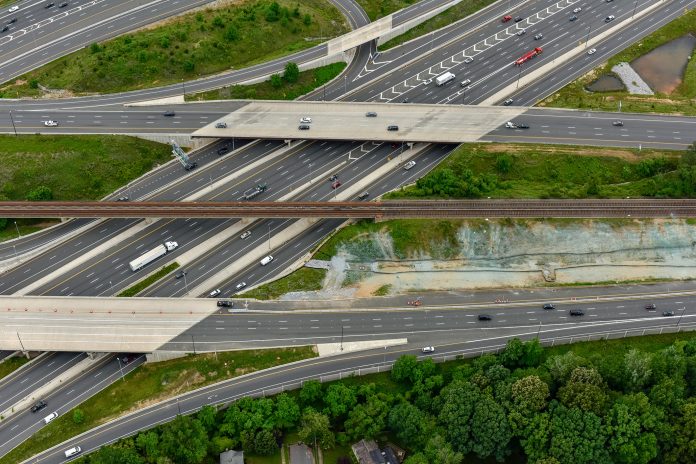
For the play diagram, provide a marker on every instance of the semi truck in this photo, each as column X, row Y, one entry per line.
column 444, row 78
column 150, row 256
column 251, row 193
column 528, row 56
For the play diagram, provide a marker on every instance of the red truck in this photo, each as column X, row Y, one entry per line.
column 528, row 56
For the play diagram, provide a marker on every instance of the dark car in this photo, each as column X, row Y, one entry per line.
column 169, row 113
column 304, row 127
column 180, row 274
column 484, row 317
column 521, row 125
column 370, row 114
column 405, row 100
column 518, row 19
column 12, row 21
column 609, row 19
column 123, row 198
column 573, row 18
column 222, row 150
column 617, row 123
column 393, row 128
column 333, row 177
column 127, row 358
column 668, row 313
column 650, row 306
column 225, row 304
column 191, row 166
column 63, row 5
column 38, row 406
column 221, row 125
column 49, row 4
column 577, row 312
column 508, row 102
column 5, row 28
column 549, row 306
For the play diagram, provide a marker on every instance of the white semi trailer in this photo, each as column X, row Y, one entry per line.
column 150, row 256
column 444, row 78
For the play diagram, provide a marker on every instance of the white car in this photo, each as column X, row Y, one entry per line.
column 428, row 349
column 591, row 51
column 577, row 10
column 306, row 120
column 609, row 19
column 468, row 59
column 50, row 417
column 510, row 125
column 409, row 165
column 240, row 286
column 214, row 293
column 14, row 8
column 427, row 81
column 245, row 234
column 50, row 123
column 522, row 32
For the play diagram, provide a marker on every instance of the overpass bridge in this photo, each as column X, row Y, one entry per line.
column 384, row 210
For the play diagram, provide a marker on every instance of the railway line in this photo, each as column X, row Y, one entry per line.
column 637, row 208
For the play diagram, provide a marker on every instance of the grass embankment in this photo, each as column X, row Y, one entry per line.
column 143, row 284
column 682, row 100
column 381, row 8
column 151, row 383
column 85, row 167
column 307, row 81
column 189, row 46
column 447, row 17
column 304, row 279
column 527, row 171
column 8, row 366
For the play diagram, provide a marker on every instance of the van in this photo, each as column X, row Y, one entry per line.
column 50, row 417
column 75, row 450
column 266, row 260
column 465, row 82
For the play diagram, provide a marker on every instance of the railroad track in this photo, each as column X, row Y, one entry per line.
column 636, row 208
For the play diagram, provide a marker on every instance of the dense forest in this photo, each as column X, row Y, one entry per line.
column 616, row 402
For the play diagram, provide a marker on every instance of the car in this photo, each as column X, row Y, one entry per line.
column 522, row 32
column 38, row 406
column 191, row 166
column 240, row 285
column 49, row 4
column 246, row 234
column 409, row 165
column 510, row 125
column 468, row 60
column 13, row 9
column 650, row 306
column 127, row 358
column 577, row 312
column 221, row 125
column 214, row 293
column 573, row 18
column 306, row 120
column 668, row 313
column 63, row 5
column 303, row 127
column 122, row 198
column 521, row 125
column 333, row 177
column 609, row 18
column 222, row 150
column 12, row 21
column 75, row 450
column 169, row 113
column 617, row 123
column 5, row 28
column 50, row 123
column 50, row 417
column 549, row 306
column 538, row 36
column 180, row 274
column 577, row 10
column 485, row 317
column 393, row 128
column 370, row 114
column 508, row 102
column 427, row 82
column 591, row 51
column 336, row 184
column 225, row 304
column 428, row 349
column 506, row 18
column 518, row 19
column 609, row 1
column 363, row 195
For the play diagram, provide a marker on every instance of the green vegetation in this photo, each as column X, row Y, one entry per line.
column 629, row 400
column 383, row 290
column 527, row 171
column 8, row 366
column 682, row 100
column 447, row 17
column 276, row 88
column 151, row 383
column 381, row 8
column 189, row 46
column 305, row 279
column 149, row 280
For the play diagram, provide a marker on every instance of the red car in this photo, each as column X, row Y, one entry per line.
column 507, row 18
column 336, row 184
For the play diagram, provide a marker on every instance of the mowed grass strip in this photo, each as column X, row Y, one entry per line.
column 143, row 284
column 151, row 383
column 8, row 366
column 682, row 100
column 190, row 46
column 304, row 279
column 307, row 81
column 381, row 8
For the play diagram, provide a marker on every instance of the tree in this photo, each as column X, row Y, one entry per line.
column 368, row 419
column 628, row 425
column 490, row 431
column 534, row 435
column 684, row 449
column 458, row 400
column 292, row 72
column 310, row 392
column 307, row 20
column 636, row 370
column 418, row 458
column 248, row 415
column 287, row 411
column 231, row 33
column 314, row 428
column 408, row 423
column 114, row 455
column 530, row 394
column 577, row 436
column 339, row 399
column 585, row 390
column 404, row 368
column 439, row 451
column 265, row 443
column 40, row 193
column 78, row 416
column 276, row 81
column 148, row 444
column 561, row 366
column 208, row 418
column 188, row 431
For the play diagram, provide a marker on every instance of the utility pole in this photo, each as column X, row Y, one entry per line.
column 17, row 227
column 120, row 368
column 341, row 338
column 13, row 124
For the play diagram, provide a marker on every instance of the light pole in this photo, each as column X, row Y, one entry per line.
column 183, row 86
column 177, row 406
column 17, row 227
column 680, row 317
column 13, row 124
column 15, row 252
column 519, row 74
column 194, row 343
column 345, row 84
column 635, row 5
column 185, row 283
column 341, row 338
column 587, row 39
column 269, row 236
column 120, row 367
column 112, row 290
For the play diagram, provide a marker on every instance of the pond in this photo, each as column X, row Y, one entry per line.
column 606, row 83
column 662, row 69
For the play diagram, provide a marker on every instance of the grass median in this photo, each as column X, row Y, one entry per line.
column 278, row 89
column 8, row 366
column 149, row 280
column 682, row 100
column 151, row 383
column 304, row 279
column 210, row 41
column 381, row 8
